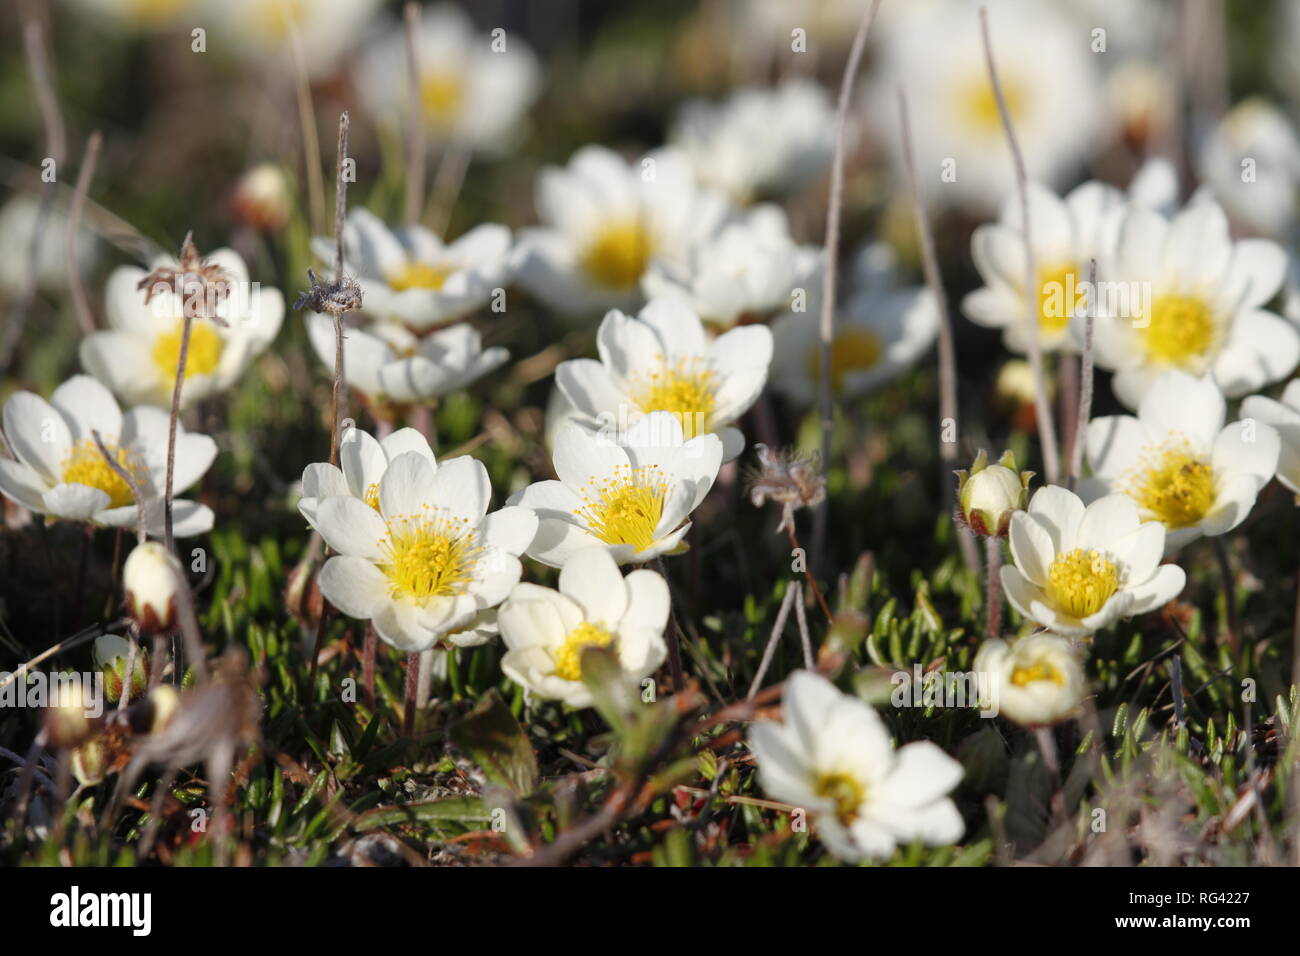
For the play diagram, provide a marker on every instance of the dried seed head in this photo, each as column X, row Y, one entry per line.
column 791, row 480
column 333, row 298
column 199, row 284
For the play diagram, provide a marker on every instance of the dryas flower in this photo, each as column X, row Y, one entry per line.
column 605, row 220
column 1078, row 570
column 1265, row 200
column 111, row 654
column 137, row 357
column 1195, row 303
column 1035, row 681
column 546, row 631
column 662, row 361
column 429, row 558
column 1178, row 461
column 18, row 218
column 151, row 579
column 362, row 462
column 388, row 364
column 988, row 495
column 60, row 472
column 632, row 497
column 1284, row 418
column 409, row 276
column 832, row 757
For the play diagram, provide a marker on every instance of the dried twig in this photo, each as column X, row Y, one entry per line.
column 1084, row 411
column 80, row 301
column 777, row 627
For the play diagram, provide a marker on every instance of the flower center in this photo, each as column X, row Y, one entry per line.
column 618, row 254
column 1055, row 283
column 853, row 350
column 1181, row 330
column 426, row 558
column 845, row 791
column 568, row 659
column 202, row 358
column 84, row 465
column 418, row 275
column 1080, row 582
column 1026, row 674
column 371, row 497
column 979, row 104
column 1176, row 488
column 687, row 390
column 626, row 508
column 441, row 95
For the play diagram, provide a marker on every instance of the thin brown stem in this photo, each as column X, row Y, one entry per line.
column 412, row 692
column 1086, row 374
column 993, row 609
column 415, row 148
column 777, row 627
column 137, row 492
column 187, row 325
column 1046, row 426
column 338, row 396
column 310, row 137
column 80, row 301
column 807, row 572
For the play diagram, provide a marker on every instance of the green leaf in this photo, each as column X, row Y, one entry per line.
column 451, row 810
column 495, row 741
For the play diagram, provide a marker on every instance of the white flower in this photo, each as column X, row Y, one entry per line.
column 759, row 142
column 474, row 89
column 1257, row 132
column 1284, row 418
column 662, row 360
column 832, row 757
column 59, row 471
column 409, row 276
column 362, row 463
column 878, row 334
column 1194, row 302
column 429, row 558
column 748, row 271
column 151, row 580
column 546, row 631
column 387, row 363
column 263, row 198
column 1078, row 570
column 604, row 220
column 631, row 497
column 1179, row 463
column 1049, row 77
column 17, row 223
column 259, row 31
column 1035, row 681
column 1066, row 234
column 138, row 355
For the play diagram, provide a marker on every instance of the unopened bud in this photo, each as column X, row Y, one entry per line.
column 262, row 198
column 164, row 701
column 90, row 762
column 67, row 718
column 111, row 655
column 988, row 495
column 151, row 578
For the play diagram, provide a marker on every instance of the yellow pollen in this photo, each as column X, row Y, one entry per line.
column 371, row 497
column 1175, row 487
column 418, row 275
column 853, row 350
column 568, row 659
column 626, row 508
column 1055, row 282
column 1182, row 331
column 202, row 358
column 686, row 389
column 1036, row 672
column 618, row 254
column 979, row 104
column 441, row 95
column 845, row 790
column 84, row 465
column 1080, row 582
column 428, row 557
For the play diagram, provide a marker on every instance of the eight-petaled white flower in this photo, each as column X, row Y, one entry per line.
column 363, row 459
column 832, row 757
column 60, row 472
column 546, row 631
column 662, row 360
column 429, row 558
column 630, row 493
column 1078, row 570
column 1179, row 462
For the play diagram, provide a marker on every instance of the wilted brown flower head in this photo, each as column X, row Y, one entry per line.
column 199, row 284
column 333, row 298
column 791, row 480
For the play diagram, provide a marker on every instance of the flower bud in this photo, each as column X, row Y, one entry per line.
column 988, row 495
column 262, row 198
column 111, row 655
column 151, row 577
column 164, row 701
column 90, row 762
column 1035, row 681
column 68, row 718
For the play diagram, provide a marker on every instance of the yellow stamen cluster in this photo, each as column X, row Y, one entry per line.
column 428, row 556
column 618, row 254
column 1175, row 487
column 1182, row 331
column 418, row 275
column 1055, row 283
column 1081, row 582
column 688, row 389
column 441, row 95
column 853, row 350
column 84, row 465
column 979, row 104
column 568, row 659
column 845, row 791
column 371, row 497
column 202, row 358
column 1035, row 672
column 625, row 508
